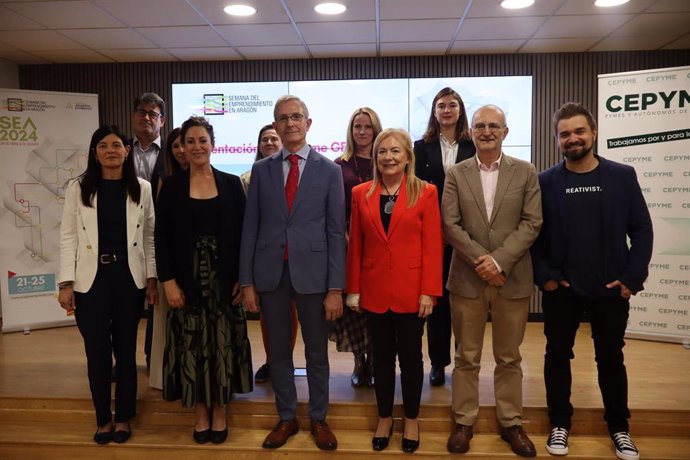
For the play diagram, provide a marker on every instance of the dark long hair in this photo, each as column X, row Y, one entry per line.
column 90, row 178
column 170, row 164
column 433, row 130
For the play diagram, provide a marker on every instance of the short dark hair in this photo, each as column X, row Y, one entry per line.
column 570, row 110
column 197, row 121
column 150, row 98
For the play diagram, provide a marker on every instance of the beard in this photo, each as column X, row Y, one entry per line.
column 572, row 152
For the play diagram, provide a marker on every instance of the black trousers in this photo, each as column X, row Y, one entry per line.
column 107, row 316
column 438, row 326
column 397, row 334
column 608, row 317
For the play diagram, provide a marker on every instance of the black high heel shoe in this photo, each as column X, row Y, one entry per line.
column 104, row 437
column 120, row 436
column 380, row 443
column 219, row 437
column 411, row 445
column 202, row 437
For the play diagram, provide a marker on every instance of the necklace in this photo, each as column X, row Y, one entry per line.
column 360, row 178
column 388, row 207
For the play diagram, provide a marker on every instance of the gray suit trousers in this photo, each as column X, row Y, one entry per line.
column 276, row 309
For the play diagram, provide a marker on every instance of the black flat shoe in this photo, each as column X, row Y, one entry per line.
column 202, row 437
column 219, row 437
column 409, row 445
column 380, row 443
column 103, row 437
column 120, row 436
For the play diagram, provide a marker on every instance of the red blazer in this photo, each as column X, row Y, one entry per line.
column 391, row 271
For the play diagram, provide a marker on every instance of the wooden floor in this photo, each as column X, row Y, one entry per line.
column 44, row 393
column 51, row 363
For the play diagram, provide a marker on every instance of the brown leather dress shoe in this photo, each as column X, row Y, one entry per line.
column 323, row 436
column 280, row 434
column 518, row 440
column 459, row 439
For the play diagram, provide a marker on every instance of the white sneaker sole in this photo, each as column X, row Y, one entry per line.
column 557, row 450
column 624, row 456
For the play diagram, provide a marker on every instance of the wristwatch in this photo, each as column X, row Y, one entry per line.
column 65, row 284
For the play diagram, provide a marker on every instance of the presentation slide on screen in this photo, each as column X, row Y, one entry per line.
column 238, row 110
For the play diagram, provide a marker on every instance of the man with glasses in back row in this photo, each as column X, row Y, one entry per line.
column 147, row 120
column 293, row 246
column 491, row 214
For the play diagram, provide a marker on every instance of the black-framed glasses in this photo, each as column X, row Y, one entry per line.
column 296, row 117
column 151, row 114
column 493, row 127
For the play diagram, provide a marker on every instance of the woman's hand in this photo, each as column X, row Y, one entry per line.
column 151, row 291
column 426, row 305
column 174, row 294
column 352, row 301
column 66, row 299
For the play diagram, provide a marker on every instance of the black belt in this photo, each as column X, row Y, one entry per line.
column 106, row 259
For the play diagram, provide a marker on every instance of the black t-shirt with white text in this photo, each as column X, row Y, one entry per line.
column 584, row 264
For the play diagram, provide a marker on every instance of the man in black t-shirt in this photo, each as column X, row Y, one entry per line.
column 582, row 262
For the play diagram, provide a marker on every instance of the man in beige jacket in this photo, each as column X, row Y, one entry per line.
column 491, row 212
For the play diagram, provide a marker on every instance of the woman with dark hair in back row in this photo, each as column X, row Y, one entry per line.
column 107, row 265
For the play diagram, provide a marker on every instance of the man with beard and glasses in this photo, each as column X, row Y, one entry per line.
column 583, row 262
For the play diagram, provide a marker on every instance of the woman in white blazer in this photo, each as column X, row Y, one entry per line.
column 107, row 266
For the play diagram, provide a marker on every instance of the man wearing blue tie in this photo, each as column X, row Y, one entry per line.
column 293, row 246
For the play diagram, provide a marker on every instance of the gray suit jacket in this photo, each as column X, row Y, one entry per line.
column 506, row 235
column 314, row 230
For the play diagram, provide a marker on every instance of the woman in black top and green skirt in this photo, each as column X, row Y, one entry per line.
column 199, row 223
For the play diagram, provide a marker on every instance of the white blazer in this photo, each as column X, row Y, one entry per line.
column 79, row 238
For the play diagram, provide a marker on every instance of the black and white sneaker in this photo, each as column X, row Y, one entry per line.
column 625, row 447
column 557, row 444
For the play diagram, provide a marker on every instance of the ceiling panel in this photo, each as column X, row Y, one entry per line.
column 339, row 32
column 500, row 28
column 427, row 9
column 348, row 50
column 183, row 37
column 259, row 35
column 109, row 38
column 624, row 43
column 418, row 30
column 14, row 55
column 413, row 48
column 74, row 56
column 137, row 55
column 65, row 14
column 492, row 9
column 674, row 23
column 37, row 40
column 487, row 46
column 581, row 26
column 205, row 54
column 669, row 6
column 588, row 7
column 558, row 45
column 273, row 52
column 152, row 13
column 682, row 43
column 9, row 20
column 357, row 10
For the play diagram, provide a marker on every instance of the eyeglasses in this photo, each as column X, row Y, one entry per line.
column 296, row 117
column 493, row 127
column 152, row 115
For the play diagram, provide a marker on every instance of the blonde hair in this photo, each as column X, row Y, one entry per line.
column 375, row 124
column 413, row 184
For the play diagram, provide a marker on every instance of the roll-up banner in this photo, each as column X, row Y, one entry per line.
column 44, row 138
column 644, row 121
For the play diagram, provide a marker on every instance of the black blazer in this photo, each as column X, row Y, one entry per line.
column 175, row 239
column 429, row 162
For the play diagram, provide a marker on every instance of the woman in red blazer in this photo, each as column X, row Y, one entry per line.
column 394, row 271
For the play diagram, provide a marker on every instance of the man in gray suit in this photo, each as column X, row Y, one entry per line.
column 293, row 246
column 491, row 213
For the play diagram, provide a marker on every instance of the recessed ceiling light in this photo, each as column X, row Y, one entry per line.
column 330, row 8
column 607, row 3
column 516, row 4
column 240, row 10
